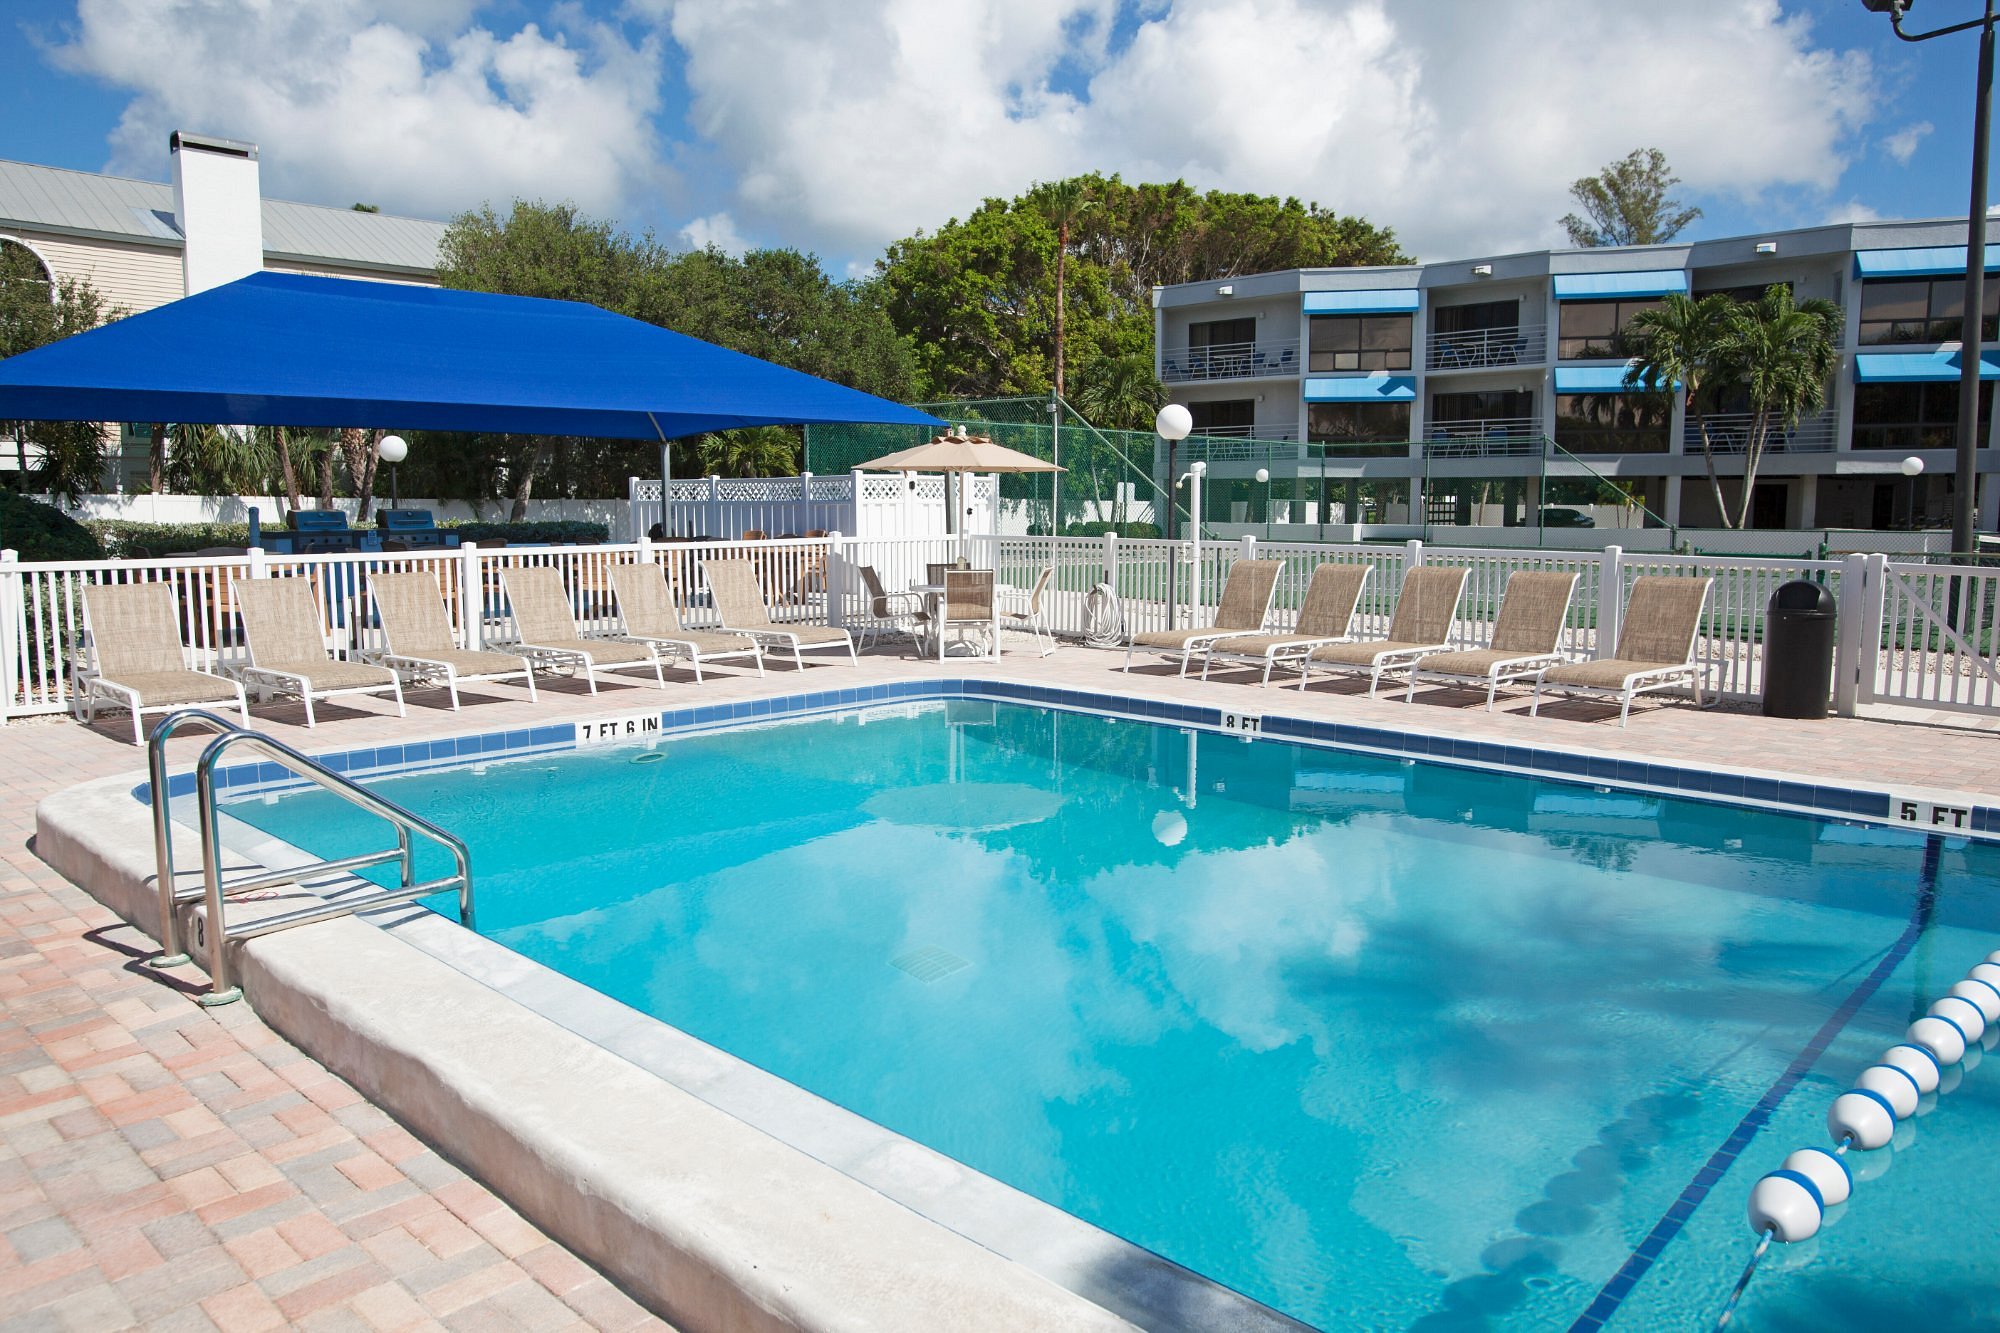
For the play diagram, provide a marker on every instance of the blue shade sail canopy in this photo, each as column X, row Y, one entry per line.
column 282, row 349
column 1381, row 301
column 1607, row 286
column 1376, row 388
column 1921, row 367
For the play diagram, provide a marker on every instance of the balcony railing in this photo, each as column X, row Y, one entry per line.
column 1729, row 433
column 1230, row 361
column 1475, row 349
column 1485, row 437
column 1222, row 441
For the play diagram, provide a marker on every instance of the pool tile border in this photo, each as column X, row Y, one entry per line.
column 1689, row 781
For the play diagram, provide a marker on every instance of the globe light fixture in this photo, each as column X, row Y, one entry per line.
column 392, row 449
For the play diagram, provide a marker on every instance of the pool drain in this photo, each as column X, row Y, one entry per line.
column 929, row 963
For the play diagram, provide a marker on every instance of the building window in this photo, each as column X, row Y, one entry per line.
column 1477, row 317
column 1361, row 342
column 1507, row 410
column 1612, row 423
column 1914, row 416
column 1751, row 293
column 1232, row 333
column 1367, row 430
column 1922, row 310
column 1588, row 330
column 1234, row 416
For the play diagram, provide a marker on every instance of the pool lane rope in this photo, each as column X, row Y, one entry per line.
column 1789, row 1204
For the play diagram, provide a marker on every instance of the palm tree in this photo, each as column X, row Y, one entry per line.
column 1679, row 344
column 1781, row 356
column 1120, row 392
column 751, row 451
column 1064, row 202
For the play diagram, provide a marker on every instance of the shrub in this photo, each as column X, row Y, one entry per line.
column 41, row 531
column 126, row 539
column 554, row 532
column 1098, row 529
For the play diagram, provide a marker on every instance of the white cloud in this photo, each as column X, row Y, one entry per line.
column 1902, row 145
column 853, row 124
column 1853, row 210
column 718, row 230
column 407, row 105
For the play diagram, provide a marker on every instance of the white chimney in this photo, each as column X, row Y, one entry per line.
column 220, row 209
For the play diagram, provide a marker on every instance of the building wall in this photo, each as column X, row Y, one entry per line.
column 130, row 277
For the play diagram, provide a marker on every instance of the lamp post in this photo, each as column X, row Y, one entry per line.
column 1913, row 467
column 392, row 449
column 1962, row 539
column 1172, row 424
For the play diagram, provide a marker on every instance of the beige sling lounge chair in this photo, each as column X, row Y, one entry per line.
column 1242, row 610
column 646, row 608
column 1325, row 616
column 1655, row 647
column 545, row 630
column 739, row 601
column 419, row 644
column 1425, row 608
column 135, row 637
column 1530, row 625
column 288, row 653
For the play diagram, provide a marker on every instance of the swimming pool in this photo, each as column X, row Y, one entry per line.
column 1381, row 1043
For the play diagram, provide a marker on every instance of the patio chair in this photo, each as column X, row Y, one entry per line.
column 1244, row 605
column 545, row 631
column 894, row 611
column 1655, row 647
column 739, row 602
column 1030, row 617
column 418, row 643
column 140, row 665
column 288, row 655
column 967, row 605
column 1425, row 608
column 646, row 608
column 1533, row 610
column 1325, row 616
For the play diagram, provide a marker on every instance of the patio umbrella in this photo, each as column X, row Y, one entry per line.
column 956, row 452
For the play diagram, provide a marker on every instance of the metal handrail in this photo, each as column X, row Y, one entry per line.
column 214, row 892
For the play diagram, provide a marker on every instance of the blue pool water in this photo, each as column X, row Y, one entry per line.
column 1382, row 1044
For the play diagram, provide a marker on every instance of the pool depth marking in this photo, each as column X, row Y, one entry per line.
column 1613, row 1293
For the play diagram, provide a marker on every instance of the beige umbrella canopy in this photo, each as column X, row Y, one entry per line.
column 955, row 451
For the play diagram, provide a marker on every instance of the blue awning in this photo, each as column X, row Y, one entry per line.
column 1605, row 286
column 1386, row 301
column 1596, row 379
column 1930, row 261
column 284, row 349
column 1362, row 389
column 1919, row 367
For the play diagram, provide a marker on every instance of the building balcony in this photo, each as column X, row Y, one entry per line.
column 1729, row 433
column 1281, row 433
column 1481, row 349
column 1231, row 361
column 1485, row 437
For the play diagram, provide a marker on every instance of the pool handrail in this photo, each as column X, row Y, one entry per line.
column 173, row 950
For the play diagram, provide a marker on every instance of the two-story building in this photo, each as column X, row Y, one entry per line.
column 1491, row 391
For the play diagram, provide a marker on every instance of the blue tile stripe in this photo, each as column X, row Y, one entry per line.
column 1692, row 783
column 1614, row 1292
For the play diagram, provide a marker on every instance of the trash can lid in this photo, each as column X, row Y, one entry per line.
column 1802, row 595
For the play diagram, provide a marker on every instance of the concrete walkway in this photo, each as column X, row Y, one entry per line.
column 171, row 1167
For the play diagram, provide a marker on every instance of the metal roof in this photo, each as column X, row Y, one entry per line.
column 81, row 203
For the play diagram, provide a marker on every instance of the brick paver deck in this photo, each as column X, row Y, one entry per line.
column 171, row 1167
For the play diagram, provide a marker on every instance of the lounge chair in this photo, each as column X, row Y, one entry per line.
column 646, row 608
column 545, row 630
column 1655, row 646
column 1425, row 608
column 288, row 655
column 1029, row 618
column 418, row 642
column 1324, row 617
column 894, row 611
column 1533, row 610
column 1245, row 603
column 739, row 601
column 140, row 665
column 966, row 605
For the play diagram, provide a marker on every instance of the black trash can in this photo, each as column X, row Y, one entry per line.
column 1798, row 650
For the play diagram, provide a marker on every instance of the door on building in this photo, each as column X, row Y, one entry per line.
column 1767, row 504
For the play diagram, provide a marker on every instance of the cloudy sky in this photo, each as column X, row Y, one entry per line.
column 840, row 125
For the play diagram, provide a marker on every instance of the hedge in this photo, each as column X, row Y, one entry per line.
column 125, row 539
column 1098, row 529
column 554, row 532
column 40, row 531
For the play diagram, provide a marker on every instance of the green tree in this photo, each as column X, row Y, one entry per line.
column 1120, row 392
column 1627, row 204
column 1772, row 358
column 1065, row 201
column 35, row 311
column 754, row 451
column 978, row 299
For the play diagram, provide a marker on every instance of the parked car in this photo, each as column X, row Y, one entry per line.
column 1557, row 516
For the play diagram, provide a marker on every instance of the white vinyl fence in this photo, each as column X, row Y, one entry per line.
column 1913, row 634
